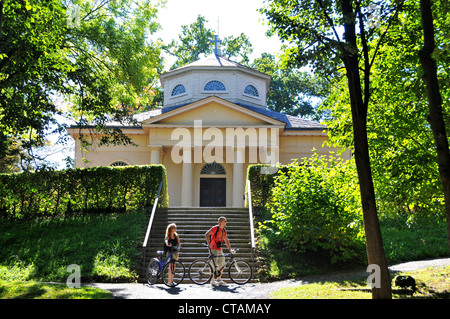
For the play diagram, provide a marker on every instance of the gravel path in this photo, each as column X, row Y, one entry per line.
column 248, row 291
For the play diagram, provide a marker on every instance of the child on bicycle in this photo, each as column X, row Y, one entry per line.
column 215, row 237
column 172, row 243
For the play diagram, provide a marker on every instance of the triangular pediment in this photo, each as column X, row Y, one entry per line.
column 212, row 111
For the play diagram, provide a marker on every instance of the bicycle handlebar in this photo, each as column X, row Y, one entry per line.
column 235, row 250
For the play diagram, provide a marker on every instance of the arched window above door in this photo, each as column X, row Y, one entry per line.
column 213, row 169
column 119, row 163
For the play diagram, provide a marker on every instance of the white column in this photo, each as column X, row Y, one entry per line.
column 155, row 153
column 186, row 178
column 238, row 177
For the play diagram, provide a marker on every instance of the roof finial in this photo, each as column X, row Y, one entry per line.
column 216, row 41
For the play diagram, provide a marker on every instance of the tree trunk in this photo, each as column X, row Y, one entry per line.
column 374, row 243
column 435, row 116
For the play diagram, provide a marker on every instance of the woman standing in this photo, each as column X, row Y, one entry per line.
column 172, row 244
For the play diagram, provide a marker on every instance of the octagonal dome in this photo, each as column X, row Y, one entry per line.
column 215, row 76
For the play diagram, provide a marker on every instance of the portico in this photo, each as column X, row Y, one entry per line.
column 188, row 152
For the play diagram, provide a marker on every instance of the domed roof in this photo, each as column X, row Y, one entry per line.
column 215, row 61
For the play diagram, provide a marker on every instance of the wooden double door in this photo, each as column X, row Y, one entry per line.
column 213, row 192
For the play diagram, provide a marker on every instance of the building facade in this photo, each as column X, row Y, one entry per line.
column 214, row 123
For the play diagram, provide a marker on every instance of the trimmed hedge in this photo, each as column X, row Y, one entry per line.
column 262, row 179
column 89, row 190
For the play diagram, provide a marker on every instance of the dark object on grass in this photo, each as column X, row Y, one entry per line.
column 406, row 282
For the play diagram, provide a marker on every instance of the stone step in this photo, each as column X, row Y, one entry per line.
column 192, row 224
column 237, row 243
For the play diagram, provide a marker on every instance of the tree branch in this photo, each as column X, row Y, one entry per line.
column 330, row 21
column 366, row 57
column 399, row 7
column 95, row 9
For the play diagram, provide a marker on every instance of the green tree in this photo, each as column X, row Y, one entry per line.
column 115, row 65
column 94, row 53
column 314, row 31
column 291, row 91
column 435, row 115
column 195, row 40
column 239, row 47
column 402, row 152
column 31, row 68
column 315, row 206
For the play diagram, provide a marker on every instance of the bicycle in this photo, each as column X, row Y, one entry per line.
column 201, row 271
column 160, row 267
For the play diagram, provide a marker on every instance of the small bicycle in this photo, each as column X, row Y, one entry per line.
column 201, row 271
column 160, row 267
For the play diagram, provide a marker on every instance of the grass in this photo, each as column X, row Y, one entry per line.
column 432, row 283
column 105, row 247
column 35, row 290
column 404, row 240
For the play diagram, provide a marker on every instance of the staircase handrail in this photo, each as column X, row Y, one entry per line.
column 150, row 222
column 250, row 215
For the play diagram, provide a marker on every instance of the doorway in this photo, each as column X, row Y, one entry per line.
column 213, row 192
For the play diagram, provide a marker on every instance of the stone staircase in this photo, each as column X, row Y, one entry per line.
column 192, row 224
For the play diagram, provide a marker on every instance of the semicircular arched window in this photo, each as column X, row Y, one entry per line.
column 178, row 89
column 215, row 86
column 213, row 169
column 251, row 90
column 119, row 163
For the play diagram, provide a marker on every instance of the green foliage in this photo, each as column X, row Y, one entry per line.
column 413, row 237
column 93, row 54
column 195, row 40
column 315, row 206
column 291, row 91
column 43, row 193
column 402, row 150
column 262, row 178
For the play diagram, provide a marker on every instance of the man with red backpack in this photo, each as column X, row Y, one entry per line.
column 215, row 237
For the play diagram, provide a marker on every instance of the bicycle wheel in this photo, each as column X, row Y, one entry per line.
column 200, row 272
column 177, row 269
column 152, row 272
column 240, row 272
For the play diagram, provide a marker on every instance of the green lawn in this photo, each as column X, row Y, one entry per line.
column 432, row 283
column 104, row 246
column 35, row 290
column 403, row 241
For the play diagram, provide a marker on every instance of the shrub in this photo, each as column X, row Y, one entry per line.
column 42, row 193
column 262, row 178
column 316, row 206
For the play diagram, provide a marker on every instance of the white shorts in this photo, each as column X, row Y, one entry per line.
column 219, row 258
